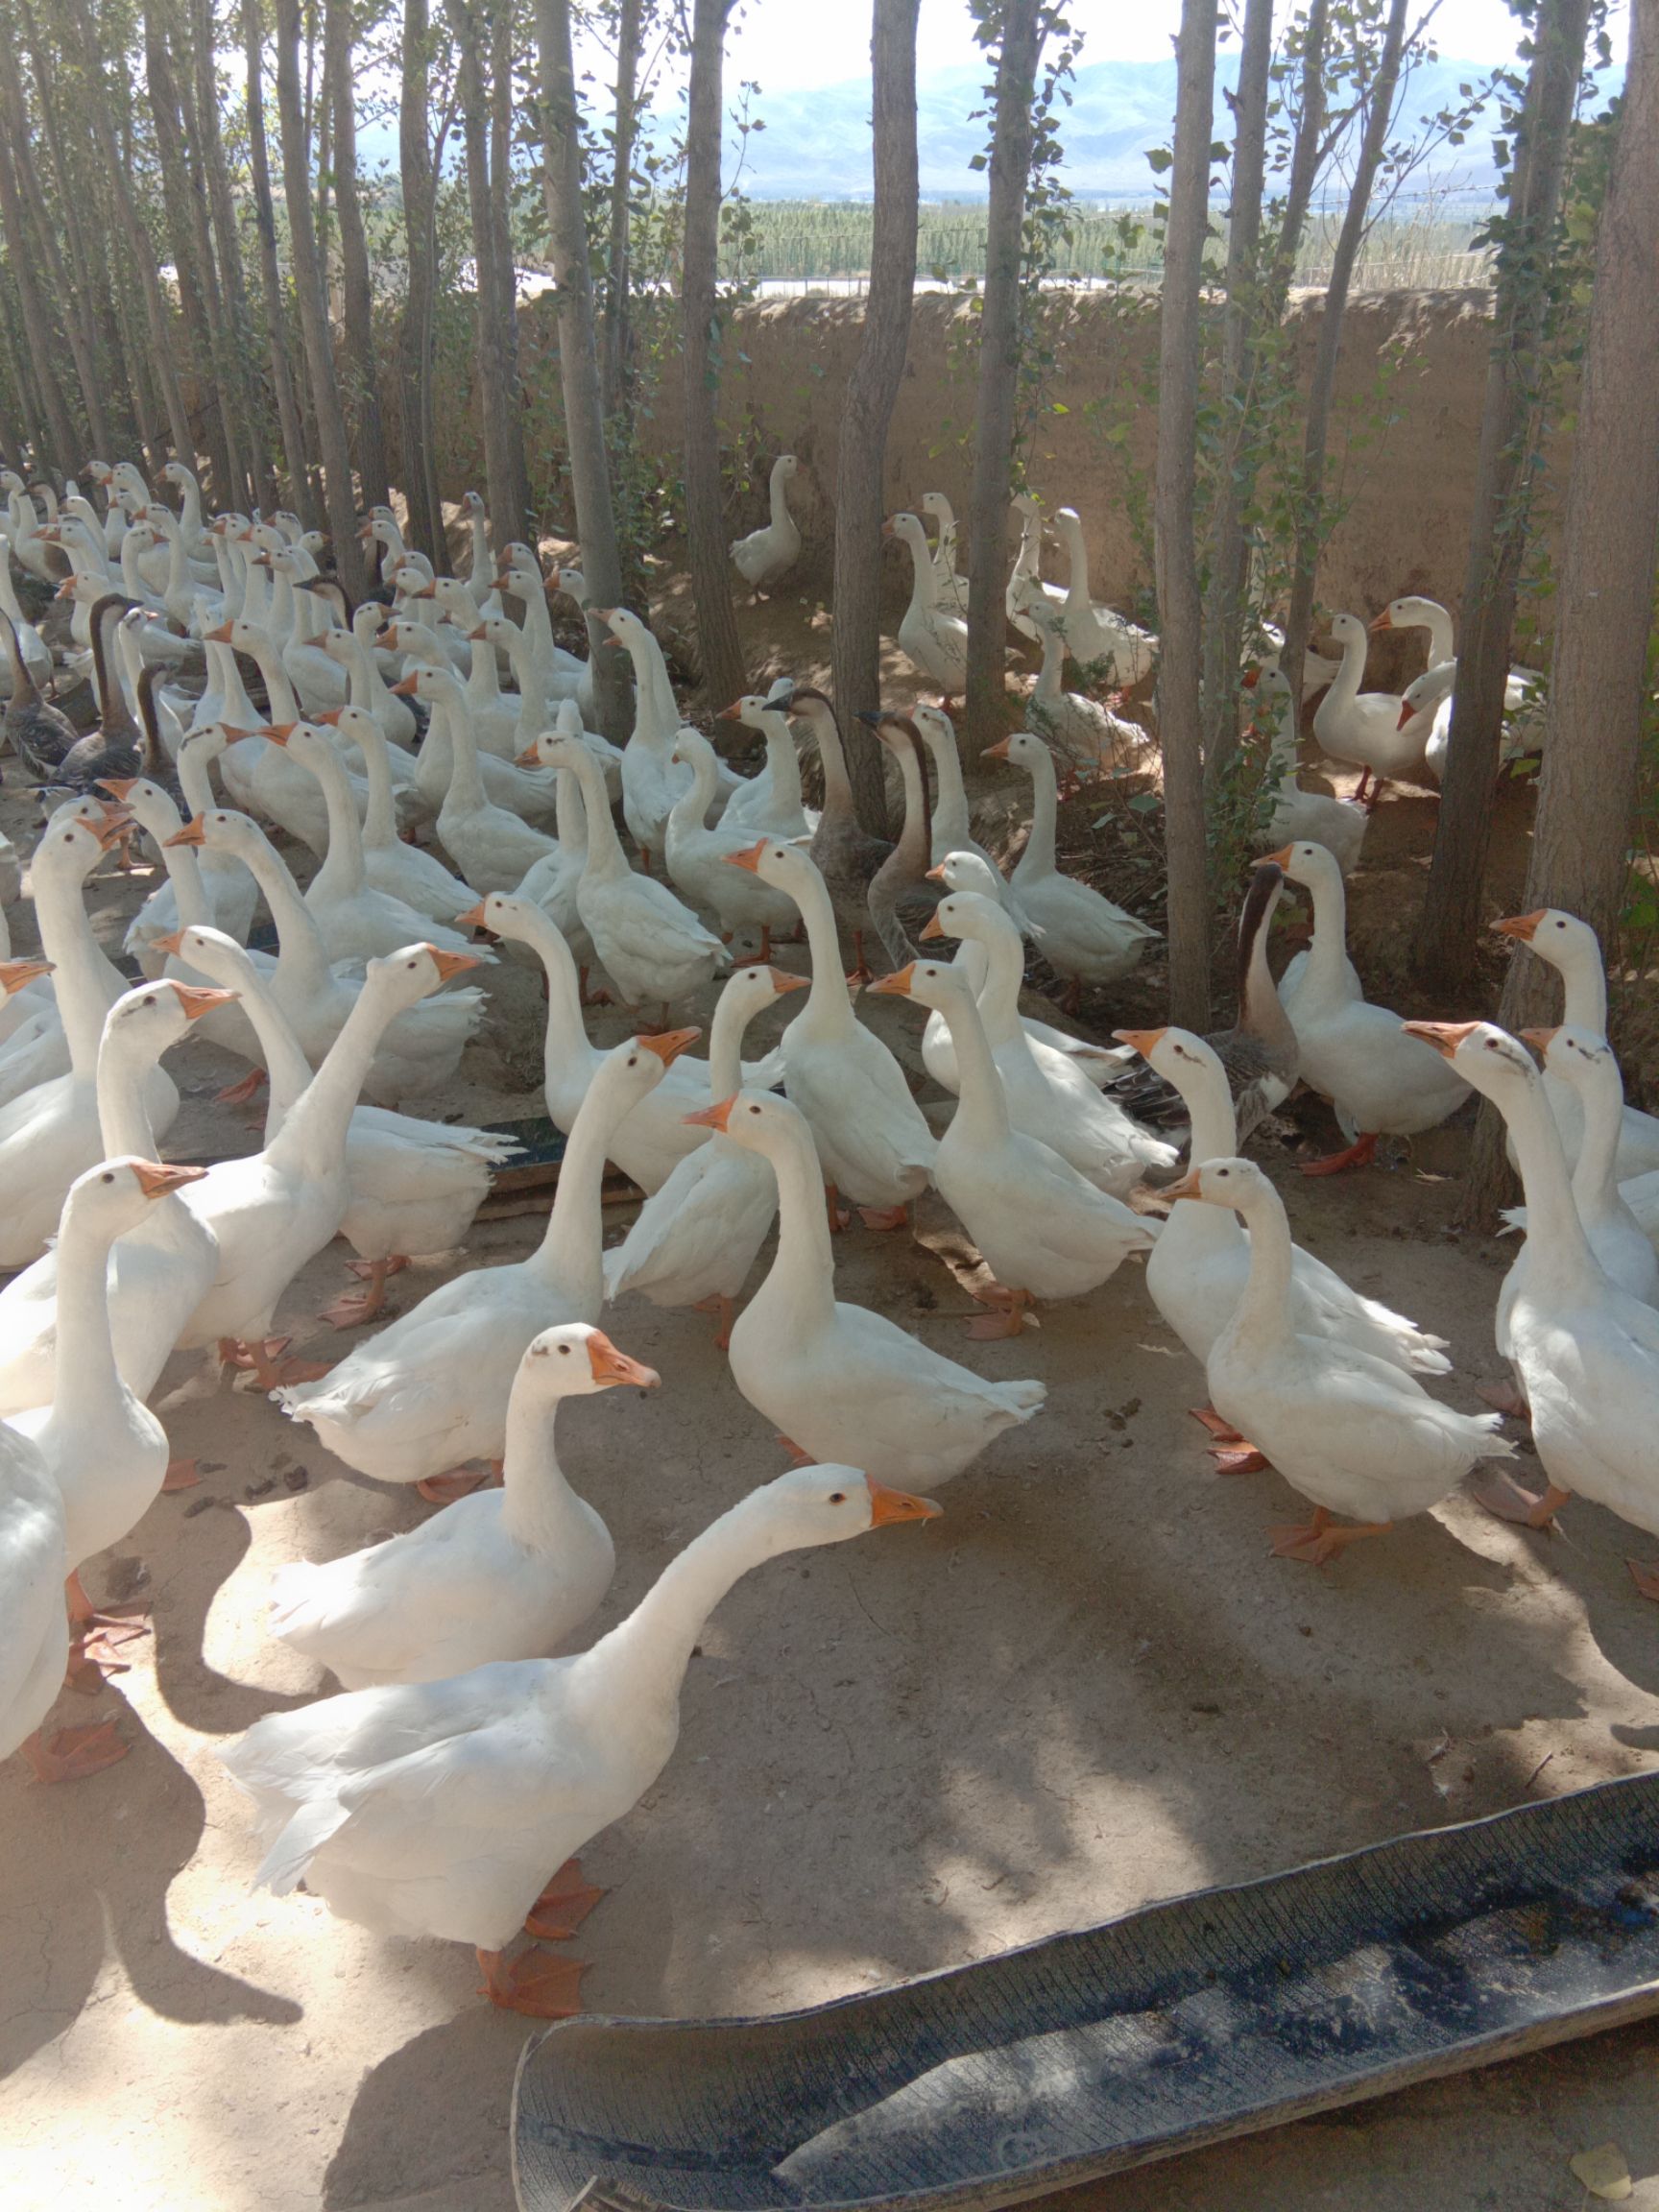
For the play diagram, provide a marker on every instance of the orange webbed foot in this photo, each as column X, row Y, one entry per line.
column 1240, row 1458
column 1508, row 1501
column 1645, row 1573
column 74, row 1753
column 885, row 1217
column 799, row 1457
column 459, row 1482
column 181, row 1475
column 1320, row 1540
column 1207, row 1417
column 546, row 1987
column 563, row 1906
column 727, row 1312
column 240, row 1093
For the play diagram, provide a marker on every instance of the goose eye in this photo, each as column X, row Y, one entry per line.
column 564, row 1351
column 108, row 1178
column 837, row 1496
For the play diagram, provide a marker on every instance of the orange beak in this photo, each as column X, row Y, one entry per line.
column 1189, row 1185
column 1444, row 1036
column 782, row 982
column 611, row 1366
column 118, row 786
column 407, row 688
column 1252, row 677
column 1540, row 1039
column 155, row 1181
column 1383, row 621
column 65, row 589
column 278, row 733
column 1408, row 712
column 887, row 1507
column 604, row 613
column 887, row 527
column 712, row 1117
column 14, row 974
column 669, row 1045
column 931, row 928
column 173, row 945
column 898, row 984
column 110, row 830
column 475, row 637
column 218, row 636
column 729, row 714
column 1140, row 1041
column 936, row 875
column 329, row 715
column 192, row 833
column 196, row 1001
column 474, row 918
column 1525, row 926
column 530, row 758
column 996, row 751
column 449, row 965
column 749, row 858
column 1280, row 858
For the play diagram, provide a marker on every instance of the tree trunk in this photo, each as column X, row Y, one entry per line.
column 333, row 446
column 867, row 408
column 1310, row 500
column 356, row 284
column 39, row 335
column 415, row 337
column 23, row 202
column 1444, row 950
column 288, row 417
column 1025, row 25
column 517, row 511
column 1235, row 467
column 228, row 239
column 578, row 354
column 1175, row 553
column 1610, row 529
column 702, row 332
column 617, row 349
column 192, row 273
column 1306, row 148
column 500, row 415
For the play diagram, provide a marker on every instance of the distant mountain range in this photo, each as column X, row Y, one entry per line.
column 816, row 144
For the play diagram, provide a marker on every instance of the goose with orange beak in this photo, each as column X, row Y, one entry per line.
column 500, row 1574
column 1200, row 1264
column 431, row 1390
column 873, row 1143
column 520, row 1765
column 836, row 1380
column 1043, row 1231
column 695, row 1239
column 1572, row 946
column 1585, row 1352
column 1356, row 1436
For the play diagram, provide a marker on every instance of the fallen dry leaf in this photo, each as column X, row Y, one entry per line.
column 1604, row 2171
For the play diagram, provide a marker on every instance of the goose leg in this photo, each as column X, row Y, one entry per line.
column 459, row 1482
column 586, row 997
column 546, row 1987
column 1645, row 1576
column 885, row 1217
column 1073, row 996
column 800, row 1459
column 74, row 1753
column 364, row 1305
column 1508, row 1501
column 1359, row 1154
column 762, row 958
column 1008, row 1319
column 563, row 1906
column 727, row 1310
column 1504, row 1398
column 1362, row 786
column 840, row 1217
column 1320, row 1541
column 240, row 1093
column 862, row 971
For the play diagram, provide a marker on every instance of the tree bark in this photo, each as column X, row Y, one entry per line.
column 288, row 417
column 333, row 446
column 1444, row 950
column 251, row 417
column 867, row 408
column 719, row 651
column 39, row 335
column 1610, row 530
column 579, row 354
column 1241, row 326
column 515, row 461
column 500, row 417
column 1025, row 25
column 1175, row 553
column 30, row 230
column 616, row 345
column 356, row 282
column 1305, row 155
column 415, row 338
column 1310, row 499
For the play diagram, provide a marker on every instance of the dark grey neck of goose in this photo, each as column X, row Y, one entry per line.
column 1260, row 1012
column 24, row 687
column 914, row 836
column 114, row 716
column 838, row 785
column 153, row 760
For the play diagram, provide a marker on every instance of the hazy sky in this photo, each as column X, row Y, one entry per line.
column 785, row 48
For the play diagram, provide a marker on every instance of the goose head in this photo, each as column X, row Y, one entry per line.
column 577, row 1361
column 1182, row 1059
column 1310, row 865
column 751, row 989
column 907, row 530
column 632, row 1070
column 222, row 830
column 968, row 872
column 401, row 979
column 827, row 1505
column 1238, row 1184
column 1487, row 1058
column 142, row 1023
column 72, row 847
column 968, row 914
column 1426, row 692
column 116, row 1195
column 784, row 866
column 1562, row 939
column 931, row 984
column 1023, row 750
column 211, row 952
column 504, row 915
column 1579, row 1057
column 148, row 806
column 572, row 583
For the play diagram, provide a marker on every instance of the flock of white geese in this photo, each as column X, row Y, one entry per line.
column 448, row 1788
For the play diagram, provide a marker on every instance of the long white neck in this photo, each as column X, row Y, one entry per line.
column 300, row 945
column 1327, row 956
column 67, row 941
column 1028, row 560
column 1053, row 657
column 999, row 993
column 379, row 828
column 285, row 1061
column 570, row 1255
column 482, row 687
column 605, row 854
column 981, row 1117
column 539, row 1508
column 123, row 1118
column 569, row 815
column 1349, row 677
column 921, row 572
column 690, row 808
column 1078, row 563
column 950, row 831
column 827, row 1007
column 637, row 1670
column 341, row 874
column 284, row 700
column 1553, row 1224
column 838, row 785
column 465, row 776
column 312, row 1137
column 530, row 679
column 1261, row 1321
column 803, row 1277
column 783, row 761
column 1038, row 858
column 1584, row 990
column 85, row 1380
column 1594, row 1173
column 732, row 1013
column 567, row 1035
column 779, row 505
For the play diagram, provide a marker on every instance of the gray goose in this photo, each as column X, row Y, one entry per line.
column 846, row 855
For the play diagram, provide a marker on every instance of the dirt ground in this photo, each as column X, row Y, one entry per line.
column 1087, row 1687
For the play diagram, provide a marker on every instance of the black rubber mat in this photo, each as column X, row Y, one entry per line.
column 1210, row 2015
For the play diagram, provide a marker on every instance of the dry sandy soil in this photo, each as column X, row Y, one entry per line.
column 1088, row 1686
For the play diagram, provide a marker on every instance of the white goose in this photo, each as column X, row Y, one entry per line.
column 650, row 782
column 949, row 586
column 1355, row 1434
column 1032, row 606
column 504, row 1574
column 695, row 1239
column 1082, row 935
column 490, row 1780
column 505, row 783
column 819, row 1369
column 1095, row 635
column 951, row 830
column 1296, row 816
column 1571, row 946
column 1586, row 1352
column 404, row 871
column 695, row 856
column 769, row 803
column 770, row 552
column 1042, row 1229
column 934, row 642
column 1618, row 1237
column 414, row 1186
column 1365, row 728
column 431, row 1390
column 1379, row 1078
column 872, row 1143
